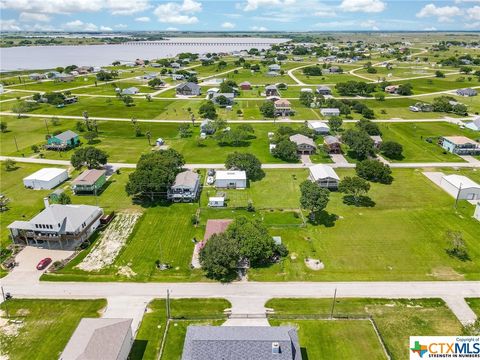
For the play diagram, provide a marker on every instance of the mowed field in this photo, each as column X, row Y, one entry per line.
column 40, row 335
column 402, row 237
column 396, row 320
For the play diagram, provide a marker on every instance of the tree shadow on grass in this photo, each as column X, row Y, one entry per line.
column 323, row 218
column 398, row 158
column 138, row 349
column 304, row 353
column 361, row 201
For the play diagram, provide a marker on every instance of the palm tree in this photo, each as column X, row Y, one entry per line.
column 85, row 117
column 148, row 134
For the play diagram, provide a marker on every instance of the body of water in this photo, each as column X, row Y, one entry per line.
column 48, row 57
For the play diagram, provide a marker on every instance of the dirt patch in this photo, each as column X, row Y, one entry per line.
column 10, row 328
column 23, row 312
column 314, row 264
column 126, row 271
column 293, row 256
column 445, row 273
column 110, row 243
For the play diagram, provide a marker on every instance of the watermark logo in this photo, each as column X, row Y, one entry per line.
column 445, row 347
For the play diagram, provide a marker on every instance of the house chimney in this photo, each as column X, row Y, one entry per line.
column 46, row 202
column 275, row 348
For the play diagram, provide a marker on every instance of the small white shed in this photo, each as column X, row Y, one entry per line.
column 45, row 179
column 461, row 187
column 231, row 179
column 216, row 201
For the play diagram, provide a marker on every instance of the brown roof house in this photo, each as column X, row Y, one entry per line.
column 332, row 144
column 90, row 181
column 216, row 226
column 305, row 145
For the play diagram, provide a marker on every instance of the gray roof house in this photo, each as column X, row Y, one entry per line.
column 241, row 342
column 324, row 90
column 305, row 145
column 206, row 126
column 474, row 125
column 103, row 338
column 186, row 187
column 466, row 92
column 130, row 91
column 229, row 96
column 188, row 89
column 57, row 225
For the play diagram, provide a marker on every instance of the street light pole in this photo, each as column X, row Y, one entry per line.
column 5, row 301
column 333, row 303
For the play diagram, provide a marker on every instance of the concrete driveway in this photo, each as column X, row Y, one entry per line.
column 27, row 259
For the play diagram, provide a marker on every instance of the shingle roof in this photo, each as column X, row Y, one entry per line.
column 186, row 178
column 331, row 140
column 66, row 135
column 217, row 226
column 88, row 177
column 240, row 342
column 97, row 339
column 190, row 85
column 300, row 139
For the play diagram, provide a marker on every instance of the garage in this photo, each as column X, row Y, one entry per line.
column 45, row 179
column 461, row 187
column 231, row 179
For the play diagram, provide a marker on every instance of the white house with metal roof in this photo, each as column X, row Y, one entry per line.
column 319, row 127
column 231, row 179
column 476, row 215
column 45, row 179
column 461, row 187
column 324, row 176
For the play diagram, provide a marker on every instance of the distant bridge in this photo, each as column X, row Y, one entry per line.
column 223, row 43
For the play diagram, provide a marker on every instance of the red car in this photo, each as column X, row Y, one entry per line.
column 44, row 263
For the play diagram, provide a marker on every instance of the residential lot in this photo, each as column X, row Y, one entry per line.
column 42, row 328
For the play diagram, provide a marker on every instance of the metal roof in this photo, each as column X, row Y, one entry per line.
column 45, row 174
column 321, row 171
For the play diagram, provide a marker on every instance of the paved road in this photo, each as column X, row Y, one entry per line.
column 264, row 166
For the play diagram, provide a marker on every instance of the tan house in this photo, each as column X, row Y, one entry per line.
column 305, row 145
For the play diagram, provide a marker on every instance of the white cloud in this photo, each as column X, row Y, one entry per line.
column 466, row 1
column 366, row 6
column 171, row 29
column 431, row 28
column 370, row 24
column 9, row 25
column 474, row 13
column 258, row 28
column 255, row 4
column 228, row 25
column 32, row 17
column 105, row 28
column 120, row 26
column 78, row 25
column 178, row 13
column 442, row 13
column 115, row 7
column 474, row 26
column 142, row 19
column 325, row 13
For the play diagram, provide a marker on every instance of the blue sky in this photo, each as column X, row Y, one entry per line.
column 239, row 15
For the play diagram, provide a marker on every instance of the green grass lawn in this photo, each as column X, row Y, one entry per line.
column 413, row 137
column 149, row 339
column 46, row 326
column 474, row 303
column 397, row 320
column 336, row 340
column 389, row 241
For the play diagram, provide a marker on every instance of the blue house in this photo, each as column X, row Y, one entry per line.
column 64, row 140
column 460, row 145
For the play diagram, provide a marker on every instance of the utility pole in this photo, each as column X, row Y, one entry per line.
column 46, row 125
column 5, row 301
column 333, row 303
column 15, row 140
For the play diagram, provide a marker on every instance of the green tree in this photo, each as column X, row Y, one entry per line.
column 306, row 98
column 355, row 187
column 90, row 136
column 405, row 89
column 313, row 197
column 127, row 100
column 375, row 171
column 246, row 162
column 392, row 150
column 457, row 247
column 88, row 156
column 155, row 83
column 219, row 257
column 155, row 173
column 63, row 199
column 369, row 127
column 207, row 110
column 3, row 127
column 10, row 165
column 286, row 150
column 268, row 109
column 335, row 123
column 439, row 74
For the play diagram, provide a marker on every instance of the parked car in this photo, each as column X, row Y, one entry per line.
column 210, row 180
column 43, row 264
column 211, row 172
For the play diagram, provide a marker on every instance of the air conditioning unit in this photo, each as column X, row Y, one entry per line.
column 275, row 348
